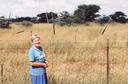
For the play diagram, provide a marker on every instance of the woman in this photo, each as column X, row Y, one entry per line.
column 38, row 63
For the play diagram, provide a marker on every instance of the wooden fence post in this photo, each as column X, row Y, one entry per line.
column 2, row 73
column 54, row 30
column 47, row 17
column 108, row 69
column 76, row 35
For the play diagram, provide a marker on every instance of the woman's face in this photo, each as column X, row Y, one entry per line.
column 36, row 42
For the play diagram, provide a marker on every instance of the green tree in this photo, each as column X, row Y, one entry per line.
column 119, row 17
column 66, row 18
column 45, row 17
column 86, row 13
column 4, row 23
column 103, row 19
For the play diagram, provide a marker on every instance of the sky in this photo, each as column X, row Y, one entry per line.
column 31, row 8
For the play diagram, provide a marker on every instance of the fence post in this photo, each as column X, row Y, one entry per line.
column 76, row 35
column 54, row 30
column 108, row 69
column 2, row 73
column 47, row 17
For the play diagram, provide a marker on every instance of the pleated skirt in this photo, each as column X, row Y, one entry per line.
column 39, row 79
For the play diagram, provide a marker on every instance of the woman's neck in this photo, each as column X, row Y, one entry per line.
column 36, row 47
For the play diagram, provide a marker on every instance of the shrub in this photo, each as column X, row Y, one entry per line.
column 26, row 23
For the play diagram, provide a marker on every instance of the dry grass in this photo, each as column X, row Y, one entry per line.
column 76, row 54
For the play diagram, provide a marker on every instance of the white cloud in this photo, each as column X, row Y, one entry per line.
column 34, row 7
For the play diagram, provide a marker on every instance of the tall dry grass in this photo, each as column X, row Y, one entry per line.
column 76, row 54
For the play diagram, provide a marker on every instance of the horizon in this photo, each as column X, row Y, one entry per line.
column 23, row 8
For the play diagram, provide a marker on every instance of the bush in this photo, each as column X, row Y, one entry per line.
column 103, row 20
column 4, row 23
column 26, row 23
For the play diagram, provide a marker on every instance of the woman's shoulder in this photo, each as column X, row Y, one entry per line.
column 31, row 49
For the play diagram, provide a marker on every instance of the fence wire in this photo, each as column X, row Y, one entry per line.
column 69, row 62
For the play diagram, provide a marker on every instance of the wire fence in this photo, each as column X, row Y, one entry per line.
column 69, row 62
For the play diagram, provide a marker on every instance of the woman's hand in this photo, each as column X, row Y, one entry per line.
column 36, row 64
column 45, row 65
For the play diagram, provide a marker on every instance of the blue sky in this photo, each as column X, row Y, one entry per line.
column 34, row 7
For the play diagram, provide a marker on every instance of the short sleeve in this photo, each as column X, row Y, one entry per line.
column 31, row 55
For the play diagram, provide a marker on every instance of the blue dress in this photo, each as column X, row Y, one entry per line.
column 38, row 74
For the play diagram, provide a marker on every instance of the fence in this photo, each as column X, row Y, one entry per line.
column 69, row 63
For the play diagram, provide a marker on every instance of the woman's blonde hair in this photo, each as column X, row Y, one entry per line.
column 34, row 36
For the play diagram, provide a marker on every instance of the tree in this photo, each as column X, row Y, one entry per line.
column 65, row 18
column 47, row 17
column 86, row 13
column 119, row 17
column 20, row 19
column 4, row 22
column 103, row 19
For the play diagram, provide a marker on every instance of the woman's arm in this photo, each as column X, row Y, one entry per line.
column 46, row 62
column 38, row 64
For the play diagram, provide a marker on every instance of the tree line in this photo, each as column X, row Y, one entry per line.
column 83, row 14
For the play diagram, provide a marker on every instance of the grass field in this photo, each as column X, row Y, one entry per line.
column 76, row 54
